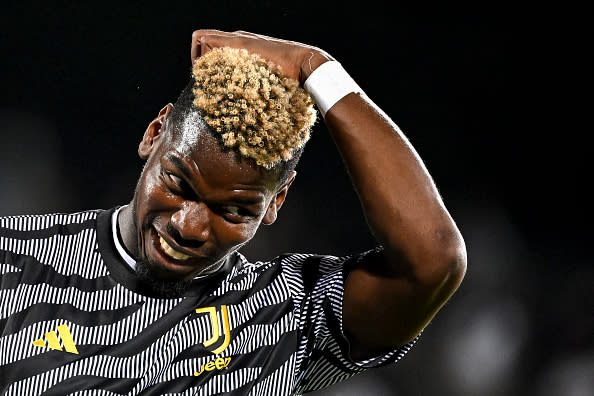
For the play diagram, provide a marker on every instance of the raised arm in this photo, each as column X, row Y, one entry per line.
column 390, row 296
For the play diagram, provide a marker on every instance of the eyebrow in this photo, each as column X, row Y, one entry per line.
column 247, row 200
column 179, row 164
column 183, row 168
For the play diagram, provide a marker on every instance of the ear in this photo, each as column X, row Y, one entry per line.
column 153, row 132
column 278, row 200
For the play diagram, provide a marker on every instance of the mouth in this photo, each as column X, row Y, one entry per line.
column 171, row 261
column 172, row 256
column 171, row 252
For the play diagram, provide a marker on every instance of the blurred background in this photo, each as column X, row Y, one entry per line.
column 495, row 98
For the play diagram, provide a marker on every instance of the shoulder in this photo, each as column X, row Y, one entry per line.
column 301, row 272
column 33, row 222
column 51, row 246
column 294, row 263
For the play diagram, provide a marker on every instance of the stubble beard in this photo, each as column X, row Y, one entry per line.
column 163, row 288
column 144, row 272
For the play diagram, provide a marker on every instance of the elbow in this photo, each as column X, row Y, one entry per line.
column 442, row 263
column 449, row 266
column 434, row 260
column 457, row 264
column 455, row 254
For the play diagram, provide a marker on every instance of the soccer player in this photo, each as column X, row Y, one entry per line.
column 152, row 297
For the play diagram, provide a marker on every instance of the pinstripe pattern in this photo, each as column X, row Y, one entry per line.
column 6, row 268
column 284, row 319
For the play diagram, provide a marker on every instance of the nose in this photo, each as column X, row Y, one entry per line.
column 192, row 223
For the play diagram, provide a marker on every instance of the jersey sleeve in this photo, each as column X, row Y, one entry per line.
column 317, row 284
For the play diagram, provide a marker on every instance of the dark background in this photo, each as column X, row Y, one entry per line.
column 495, row 98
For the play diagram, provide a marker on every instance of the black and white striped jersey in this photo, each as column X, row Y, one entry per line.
column 75, row 320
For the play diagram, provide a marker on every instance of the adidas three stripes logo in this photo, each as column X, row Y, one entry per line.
column 54, row 343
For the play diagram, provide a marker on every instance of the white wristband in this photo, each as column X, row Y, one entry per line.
column 328, row 84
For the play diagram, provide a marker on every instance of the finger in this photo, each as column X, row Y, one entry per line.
column 196, row 42
column 209, row 42
column 204, row 40
column 194, row 47
column 258, row 36
column 250, row 34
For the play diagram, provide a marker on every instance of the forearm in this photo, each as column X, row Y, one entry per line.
column 424, row 257
column 399, row 198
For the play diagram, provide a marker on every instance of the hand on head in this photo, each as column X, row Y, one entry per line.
column 297, row 60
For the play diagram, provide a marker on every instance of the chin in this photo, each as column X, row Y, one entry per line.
column 167, row 268
column 165, row 286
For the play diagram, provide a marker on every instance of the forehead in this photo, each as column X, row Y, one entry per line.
column 193, row 142
column 188, row 133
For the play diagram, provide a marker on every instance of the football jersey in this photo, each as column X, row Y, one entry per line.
column 76, row 320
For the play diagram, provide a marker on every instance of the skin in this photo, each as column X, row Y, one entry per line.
column 204, row 201
column 388, row 299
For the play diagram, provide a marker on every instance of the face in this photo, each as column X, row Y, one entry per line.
column 196, row 202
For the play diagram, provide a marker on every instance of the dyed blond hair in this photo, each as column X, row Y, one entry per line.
column 256, row 110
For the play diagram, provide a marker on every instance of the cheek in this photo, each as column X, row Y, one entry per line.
column 154, row 196
column 153, row 205
column 233, row 235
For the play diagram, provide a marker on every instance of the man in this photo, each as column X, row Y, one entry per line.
column 153, row 298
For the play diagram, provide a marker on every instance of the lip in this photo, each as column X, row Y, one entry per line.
column 175, row 246
column 171, row 263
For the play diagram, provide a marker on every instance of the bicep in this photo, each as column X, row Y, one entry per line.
column 382, row 311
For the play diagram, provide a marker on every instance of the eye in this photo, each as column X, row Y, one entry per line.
column 236, row 214
column 173, row 182
column 175, row 179
column 234, row 210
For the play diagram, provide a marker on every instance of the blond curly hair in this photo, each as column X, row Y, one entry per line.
column 258, row 111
